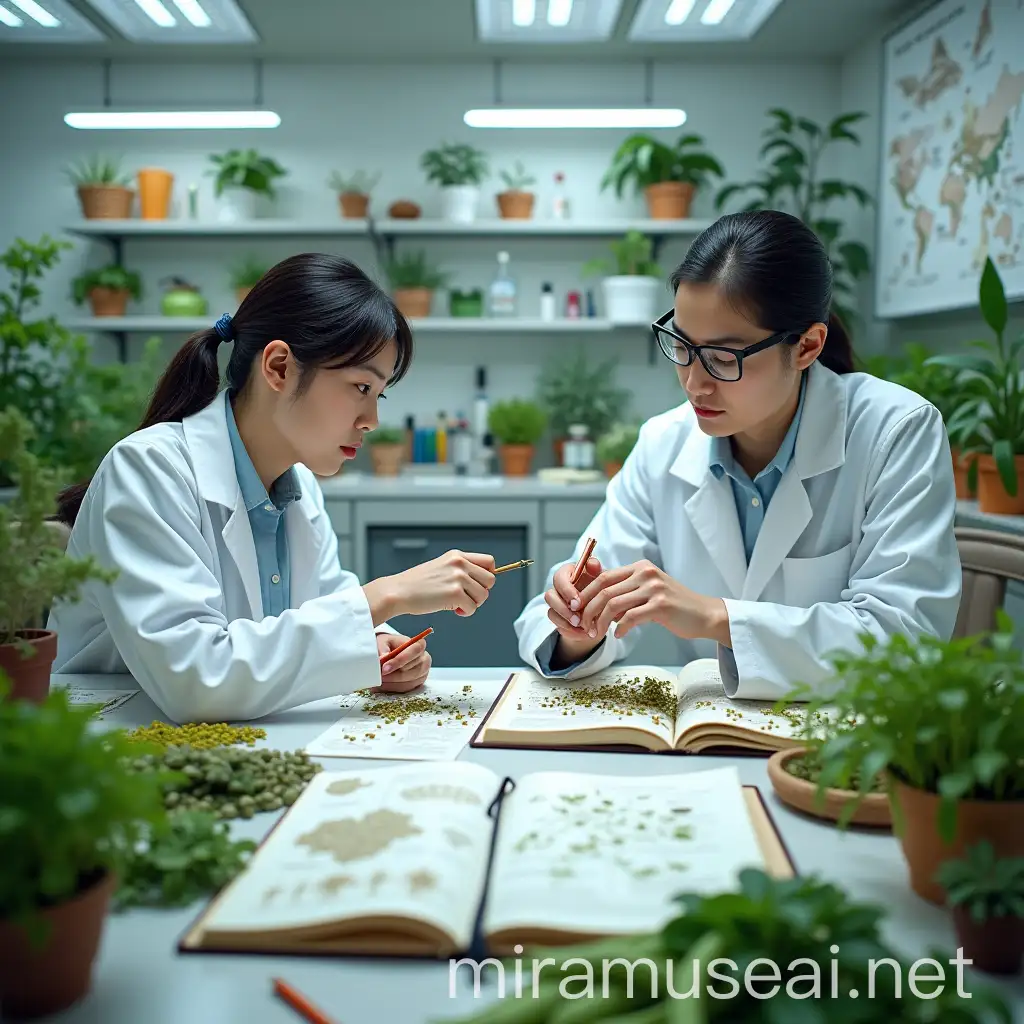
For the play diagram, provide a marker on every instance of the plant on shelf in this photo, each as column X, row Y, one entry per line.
column 459, row 170
column 413, row 283
column 941, row 724
column 103, row 191
column 516, row 203
column 70, row 814
column 988, row 425
column 354, row 191
column 387, row 450
column 614, row 446
column 107, row 289
column 986, row 894
column 668, row 175
column 796, row 148
column 244, row 274
column 633, row 282
column 518, row 425
column 239, row 176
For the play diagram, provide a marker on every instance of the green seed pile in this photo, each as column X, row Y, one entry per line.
column 231, row 782
column 401, row 708
column 624, row 697
column 198, row 736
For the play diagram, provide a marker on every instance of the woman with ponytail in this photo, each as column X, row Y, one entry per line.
column 790, row 506
column 229, row 601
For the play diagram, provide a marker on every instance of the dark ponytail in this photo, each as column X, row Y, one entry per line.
column 327, row 310
column 774, row 268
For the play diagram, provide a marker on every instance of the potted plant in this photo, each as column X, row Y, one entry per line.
column 518, row 425
column 459, row 170
column 613, row 448
column 941, row 724
column 239, row 176
column 668, row 176
column 70, row 814
column 515, row 203
column 245, row 274
column 989, row 423
column 387, row 449
column 103, row 191
column 986, row 894
column 107, row 289
column 353, row 191
column 631, row 291
column 413, row 283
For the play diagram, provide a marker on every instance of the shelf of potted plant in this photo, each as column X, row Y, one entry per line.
column 239, row 176
column 517, row 424
column 459, row 170
column 614, row 446
column 107, row 290
column 515, row 203
column 103, row 191
column 354, row 192
column 413, row 283
column 387, row 450
column 631, row 292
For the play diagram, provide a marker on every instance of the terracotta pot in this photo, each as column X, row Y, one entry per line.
column 961, row 467
column 998, row 821
column 611, row 468
column 30, row 677
column 414, row 303
column 387, row 458
column 38, row 981
column 874, row 809
column 558, row 445
column 240, row 293
column 109, row 301
column 992, row 496
column 105, row 202
column 515, row 459
column 155, row 186
column 995, row 946
column 669, row 200
column 515, row 205
column 353, row 204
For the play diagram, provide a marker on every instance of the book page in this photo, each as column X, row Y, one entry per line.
column 411, row 841
column 430, row 724
column 100, row 701
column 606, row 854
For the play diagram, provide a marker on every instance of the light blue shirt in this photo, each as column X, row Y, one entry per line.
column 266, row 517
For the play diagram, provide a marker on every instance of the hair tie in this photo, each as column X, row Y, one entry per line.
column 223, row 327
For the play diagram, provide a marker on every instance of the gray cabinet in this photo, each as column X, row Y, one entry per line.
column 485, row 638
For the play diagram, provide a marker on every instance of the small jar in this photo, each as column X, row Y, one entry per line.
column 547, row 302
column 581, row 447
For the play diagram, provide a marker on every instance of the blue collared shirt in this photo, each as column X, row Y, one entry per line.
column 266, row 517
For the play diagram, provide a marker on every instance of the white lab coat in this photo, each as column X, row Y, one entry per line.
column 185, row 616
column 858, row 537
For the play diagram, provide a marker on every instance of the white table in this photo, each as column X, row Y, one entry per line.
column 141, row 979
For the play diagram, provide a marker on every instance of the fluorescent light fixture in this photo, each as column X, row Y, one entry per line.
column 157, row 13
column 194, row 13
column 715, row 12
column 9, row 19
column 533, row 22
column 36, row 13
column 575, row 117
column 177, row 22
column 172, row 119
column 559, row 13
column 678, row 11
column 523, row 13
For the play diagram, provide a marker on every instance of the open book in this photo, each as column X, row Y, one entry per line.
column 435, row 859
column 633, row 706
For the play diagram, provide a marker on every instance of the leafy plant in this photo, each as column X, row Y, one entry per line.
column 576, row 389
column 113, row 276
column 413, row 271
column 518, row 180
column 913, row 368
column 245, row 168
column 187, row 855
column 517, row 421
column 990, row 417
column 633, row 258
column 792, row 182
column 69, row 812
column 946, row 717
column 644, row 161
column 386, row 435
column 618, row 442
column 98, row 171
column 247, row 271
column 361, row 182
column 987, row 886
column 455, row 164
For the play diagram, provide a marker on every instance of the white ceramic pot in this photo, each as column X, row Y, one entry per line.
column 632, row 299
column 236, row 204
column 458, row 203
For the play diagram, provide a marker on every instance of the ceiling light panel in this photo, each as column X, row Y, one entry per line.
column 545, row 21
column 177, row 21
column 695, row 21
column 45, row 21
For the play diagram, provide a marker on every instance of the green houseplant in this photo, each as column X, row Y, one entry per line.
column 103, row 191
column 668, row 175
column 239, row 176
column 69, row 814
column 107, row 289
column 516, row 203
column 518, row 425
column 941, row 725
column 613, row 447
column 459, row 170
column 387, row 449
column 794, row 148
column 413, row 283
column 245, row 273
column 632, row 286
column 354, row 191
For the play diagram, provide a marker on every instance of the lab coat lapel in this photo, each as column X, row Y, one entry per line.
column 303, row 551
column 238, row 541
column 788, row 514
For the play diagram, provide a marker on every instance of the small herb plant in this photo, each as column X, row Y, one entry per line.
column 359, row 182
column 616, row 445
column 98, row 172
column 245, row 168
column 517, row 421
column 576, row 389
column 455, row 164
column 413, row 271
column 386, row 435
column 113, row 276
column 633, row 258
column 518, row 180
column 246, row 272
column 985, row 885
column 642, row 161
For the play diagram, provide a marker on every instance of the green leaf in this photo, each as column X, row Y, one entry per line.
column 1003, row 453
column 992, row 297
column 956, row 784
column 855, row 257
column 952, row 700
column 987, row 763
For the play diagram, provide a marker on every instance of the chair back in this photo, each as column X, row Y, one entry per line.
column 989, row 559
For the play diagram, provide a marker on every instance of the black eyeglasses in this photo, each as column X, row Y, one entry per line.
column 721, row 362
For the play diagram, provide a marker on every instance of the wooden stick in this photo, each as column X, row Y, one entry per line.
column 401, row 647
column 299, row 1003
column 521, row 564
column 581, row 565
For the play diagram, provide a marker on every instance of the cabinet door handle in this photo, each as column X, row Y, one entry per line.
column 409, row 543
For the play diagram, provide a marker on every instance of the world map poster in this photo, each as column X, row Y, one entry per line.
column 952, row 188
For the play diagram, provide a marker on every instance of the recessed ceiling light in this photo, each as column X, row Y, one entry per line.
column 45, row 21
column 674, row 21
column 557, row 21
column 523, row 12
column 575, row 117
column 143, row 120
column 9, row 19
column 193, row 12
column 178, row 21
column 38, row 14
column 157, row 13
column 678, row 11
column 716, row 11
column 559, row 13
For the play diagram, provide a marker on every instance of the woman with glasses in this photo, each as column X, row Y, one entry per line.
column 789, row 506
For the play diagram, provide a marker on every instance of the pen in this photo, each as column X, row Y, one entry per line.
column 299, row 1003
column 401, row 647
column 521, row 564
column 581, row 565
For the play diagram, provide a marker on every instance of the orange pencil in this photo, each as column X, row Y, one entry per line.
column 299, row 1003
column 581, row 565
column 401, row 647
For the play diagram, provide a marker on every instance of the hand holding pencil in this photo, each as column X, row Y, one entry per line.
column 565, row 605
